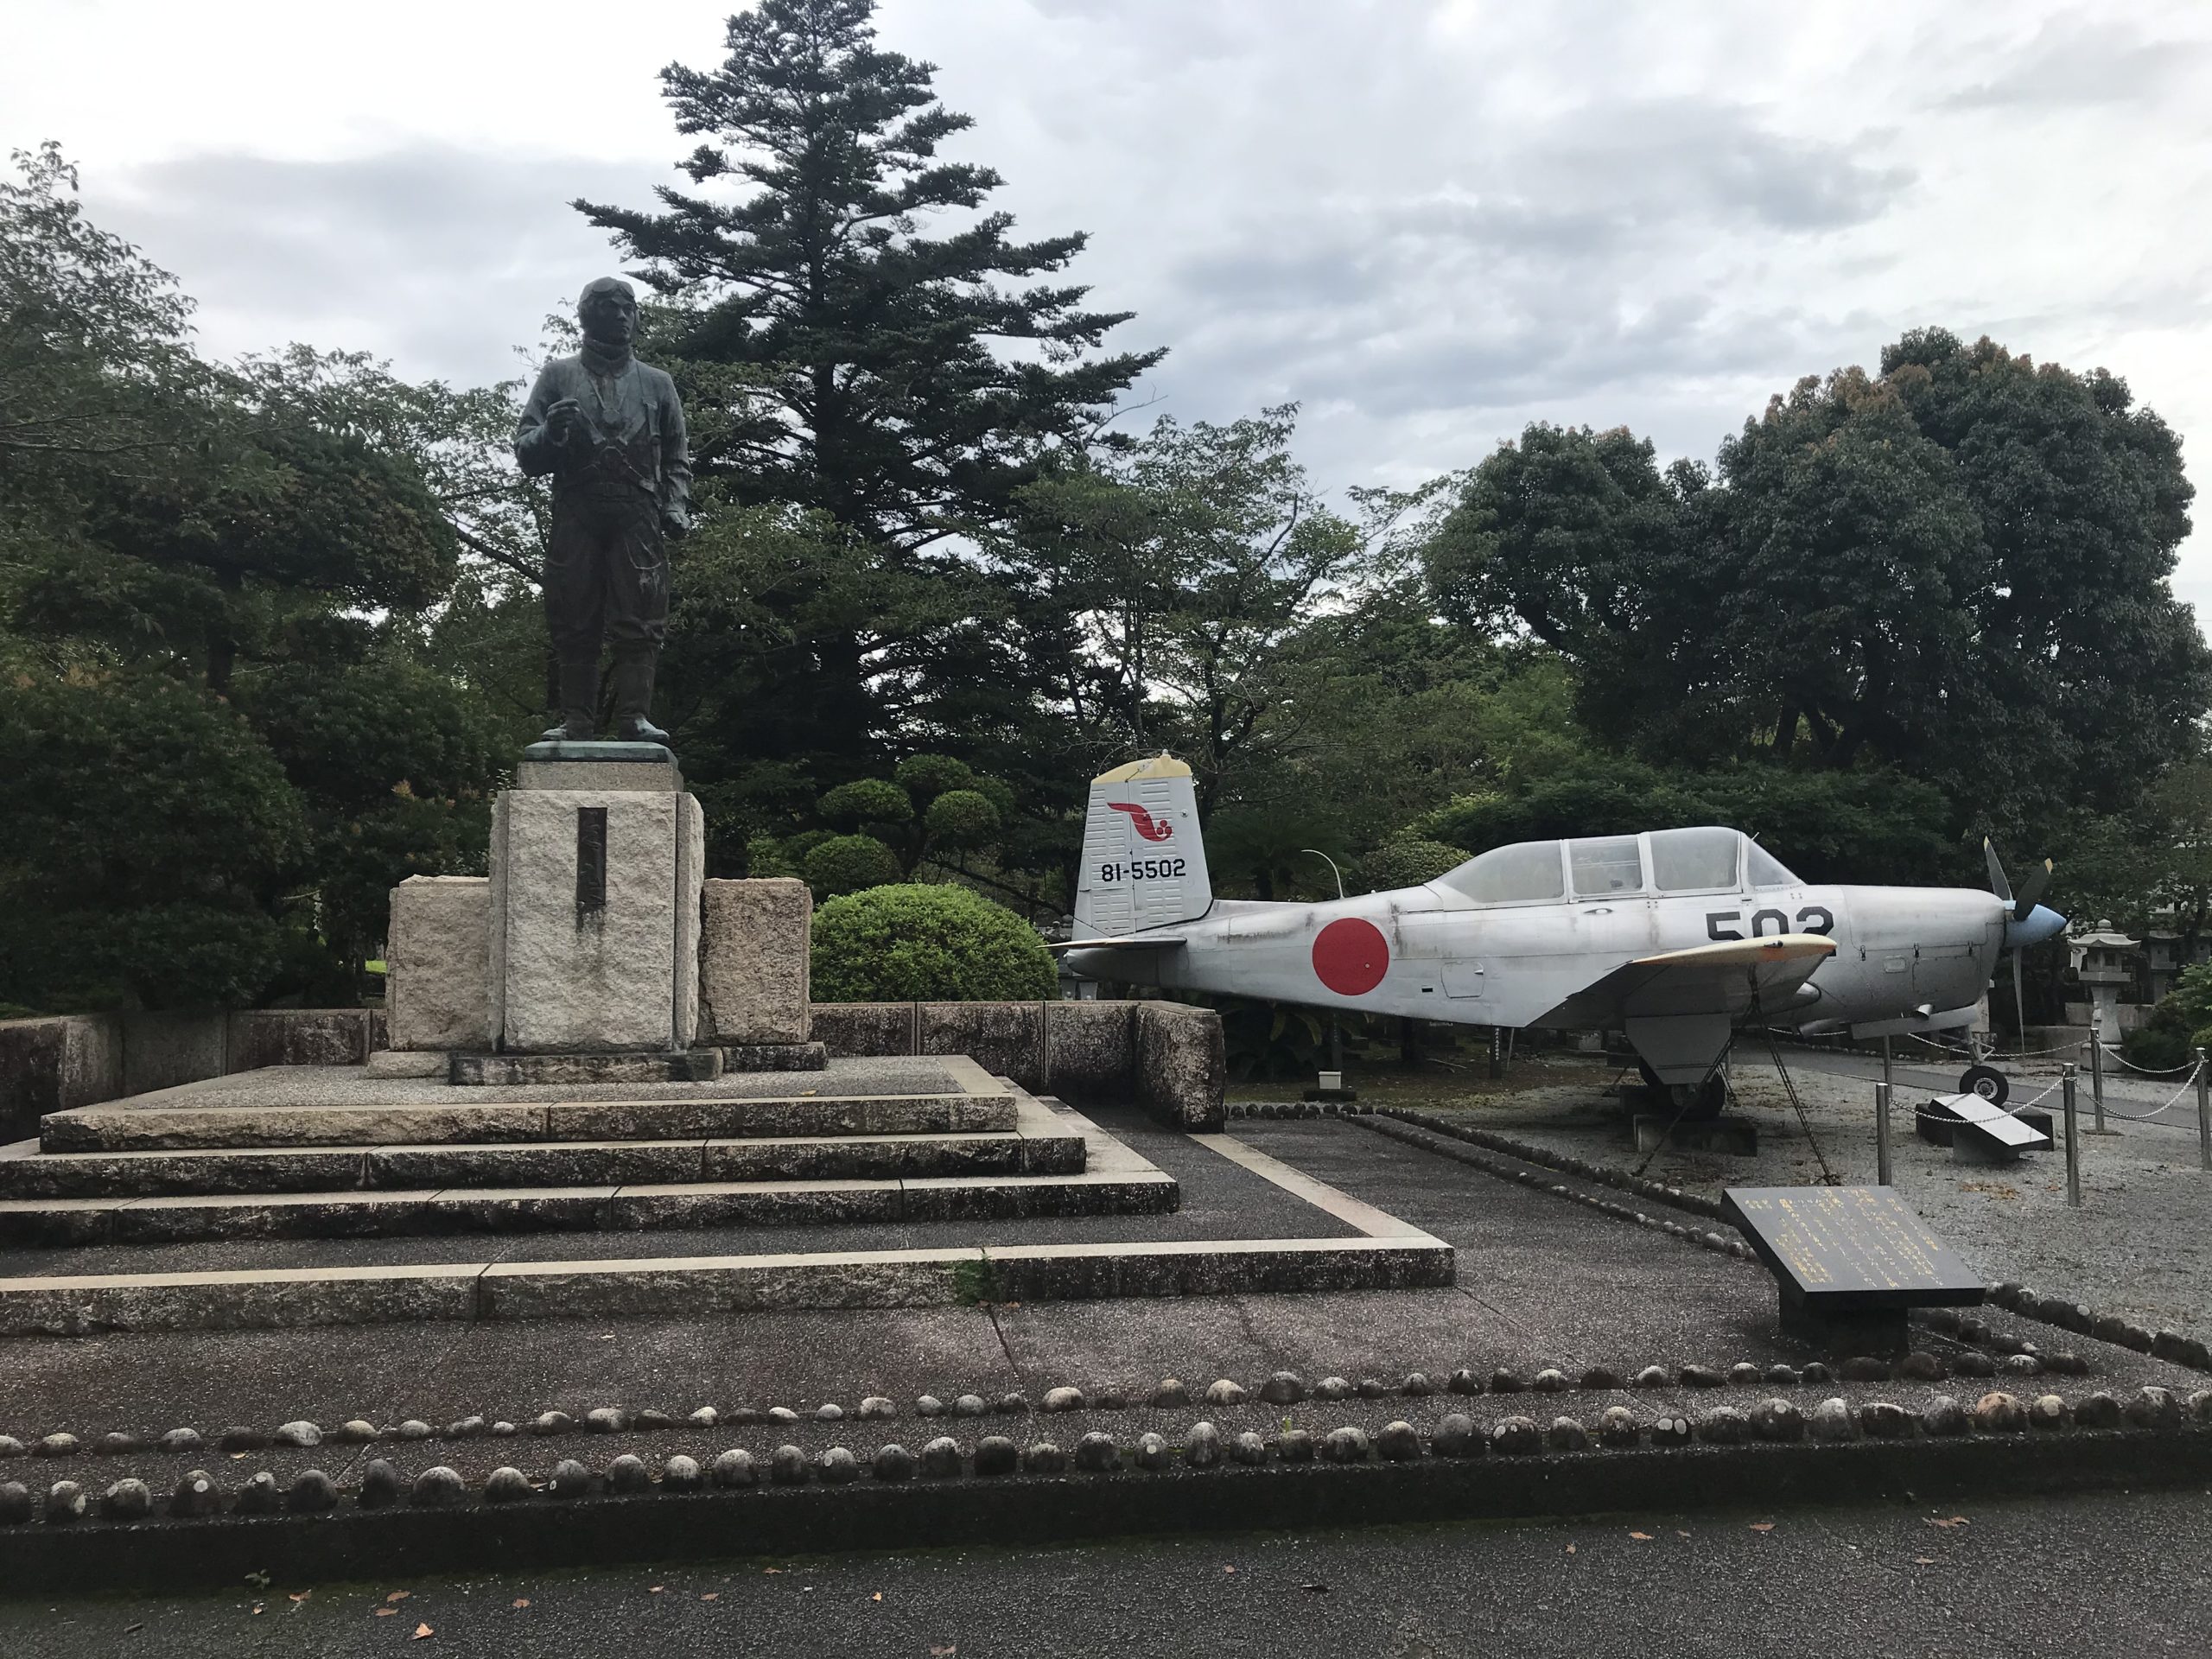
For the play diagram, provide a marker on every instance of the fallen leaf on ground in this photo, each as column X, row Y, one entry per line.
column 386, row 1612
column 1762, row 1526
column 771, row 1569
column 1679, row 1533
column 1645, row 1536
column 1228, row 1569
column 1923, row 1561
column 878, row 1596
column 1570, row 1549
column 942, row 1653
column 1954, row 1521
column 302, row 1595
column 520, row 1601
column 656, row 1589
column 400, row 1595
column 423, row 1632
column 710, row 1595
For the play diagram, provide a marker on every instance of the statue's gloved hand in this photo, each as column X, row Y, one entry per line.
column 564, row 419
column 675, row 523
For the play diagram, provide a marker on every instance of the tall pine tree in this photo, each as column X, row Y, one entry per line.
column 859, row 340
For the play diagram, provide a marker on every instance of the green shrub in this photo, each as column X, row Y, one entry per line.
column 868, row 800
column 1410, row 863
column 915, row 944
column 960, row 820
column 848, row 863
column 925, row 776
column 2156, row 1048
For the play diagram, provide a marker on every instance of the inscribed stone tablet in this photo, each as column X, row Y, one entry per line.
column 1849, row 1246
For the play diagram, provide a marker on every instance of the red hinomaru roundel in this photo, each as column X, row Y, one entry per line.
column 1351, row 955
column 1142, row 822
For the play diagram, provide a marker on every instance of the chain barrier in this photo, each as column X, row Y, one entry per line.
column 2112, row 1054
column 2188, row 1083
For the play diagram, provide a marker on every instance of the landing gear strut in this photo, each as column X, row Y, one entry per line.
column 1697, row 1103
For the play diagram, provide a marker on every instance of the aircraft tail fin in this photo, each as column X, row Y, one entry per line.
column 1144, row 863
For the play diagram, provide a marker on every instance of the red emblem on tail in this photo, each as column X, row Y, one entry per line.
column 1142, row 822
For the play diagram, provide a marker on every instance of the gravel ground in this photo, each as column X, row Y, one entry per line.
column 2138, row 1246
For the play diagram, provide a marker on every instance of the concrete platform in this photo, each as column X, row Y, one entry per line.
column 1030, row 1150
column 1045, row 1167
column 923, row 1242
column 332, row 1106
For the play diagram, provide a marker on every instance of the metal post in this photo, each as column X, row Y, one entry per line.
column 2203, row 1114
column 1889, row 1080
column 1882, row 1135
column 1497, row 1069
column 2073, row 1138
column 2097, row 1066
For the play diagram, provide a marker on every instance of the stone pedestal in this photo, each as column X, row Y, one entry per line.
column 597, row 857
column 753, row 952
column 437, row 965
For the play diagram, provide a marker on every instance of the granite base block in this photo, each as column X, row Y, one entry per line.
column 774, row 1057
column 683, row 1065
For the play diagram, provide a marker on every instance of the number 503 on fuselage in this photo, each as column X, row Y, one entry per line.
column 1673, row 936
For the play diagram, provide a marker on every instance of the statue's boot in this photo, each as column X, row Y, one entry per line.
column 579, row 704
column 633, row 697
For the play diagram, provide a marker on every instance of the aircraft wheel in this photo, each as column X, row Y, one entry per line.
column 1986, row 1081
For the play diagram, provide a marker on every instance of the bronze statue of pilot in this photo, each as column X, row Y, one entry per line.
column 609, row 432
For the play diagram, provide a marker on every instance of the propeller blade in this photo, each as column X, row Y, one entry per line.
column 1998, row 884
column 2032, row 892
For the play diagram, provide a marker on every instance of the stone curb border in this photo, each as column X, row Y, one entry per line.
column 2079, row 1318
column 1281, row 1388
column 66, row 1537
column 1559, row 1163
column 1413, row 1136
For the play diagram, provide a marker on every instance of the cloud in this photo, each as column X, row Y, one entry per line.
column 443, row 258
column 2073, row 62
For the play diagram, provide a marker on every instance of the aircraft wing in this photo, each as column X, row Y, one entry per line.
column 1125, row 942
column 1728, row 977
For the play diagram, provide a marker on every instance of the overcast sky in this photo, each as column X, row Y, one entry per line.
column 1429, row 221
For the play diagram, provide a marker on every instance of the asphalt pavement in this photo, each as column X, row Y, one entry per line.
column 2083, row 1577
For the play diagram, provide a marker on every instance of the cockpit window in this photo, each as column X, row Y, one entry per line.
column 1526, row 873
column 1765, row 870
column 1693, row 861
column 1605, row 864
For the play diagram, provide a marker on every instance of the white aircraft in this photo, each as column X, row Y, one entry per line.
column 1673, row 936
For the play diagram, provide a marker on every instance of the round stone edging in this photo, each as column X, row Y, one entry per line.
column 1772, row 1456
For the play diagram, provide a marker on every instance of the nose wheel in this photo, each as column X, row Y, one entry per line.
column 1986, row 1081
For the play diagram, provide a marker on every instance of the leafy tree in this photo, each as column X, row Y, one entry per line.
column 879, row 389
column 1195, row 559
column 1410, row 863
column 147, row 838
column 94, row 353
column 1956, row 568
column 1827, row 827
column 926, row 943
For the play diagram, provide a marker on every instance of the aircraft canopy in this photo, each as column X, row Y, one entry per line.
column 1708, row 859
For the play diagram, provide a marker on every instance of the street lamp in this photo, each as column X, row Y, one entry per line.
column 1332, row 863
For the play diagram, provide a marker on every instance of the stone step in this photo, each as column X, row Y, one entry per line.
column 1128, row 1188
column 414, row 1123
column 1037, row 1149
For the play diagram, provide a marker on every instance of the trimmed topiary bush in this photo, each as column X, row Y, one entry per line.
column 917, row 944
column 848, row 863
